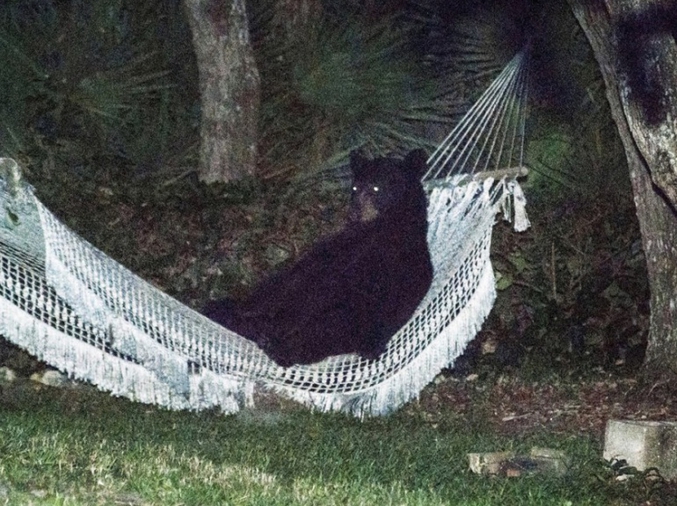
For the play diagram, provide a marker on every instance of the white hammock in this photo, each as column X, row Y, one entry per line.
column 70, row 305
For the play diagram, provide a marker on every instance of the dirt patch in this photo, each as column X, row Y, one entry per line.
column 515, row 407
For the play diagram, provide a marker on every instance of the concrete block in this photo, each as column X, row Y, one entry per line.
column 643, row 444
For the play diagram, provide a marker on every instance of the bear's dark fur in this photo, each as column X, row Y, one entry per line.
column 352, row 291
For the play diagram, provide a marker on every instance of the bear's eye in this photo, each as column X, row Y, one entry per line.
column 376, row 188
column 354, row 188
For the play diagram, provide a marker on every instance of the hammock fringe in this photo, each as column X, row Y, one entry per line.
column 71, row 306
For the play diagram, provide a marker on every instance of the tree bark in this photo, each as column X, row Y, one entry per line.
column 229, row 88
column 635, row 49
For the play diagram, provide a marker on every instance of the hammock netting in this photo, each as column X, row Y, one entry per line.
column 70, row 305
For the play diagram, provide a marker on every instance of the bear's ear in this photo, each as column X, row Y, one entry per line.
column 416, row 162
column 357, row 162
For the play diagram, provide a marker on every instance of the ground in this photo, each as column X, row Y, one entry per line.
column 515, row 407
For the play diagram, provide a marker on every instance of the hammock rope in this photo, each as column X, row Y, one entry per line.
column 73, row 307
column 488, row 133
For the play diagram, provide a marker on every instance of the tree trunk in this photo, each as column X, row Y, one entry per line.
column 634, row 44
column 229, row 88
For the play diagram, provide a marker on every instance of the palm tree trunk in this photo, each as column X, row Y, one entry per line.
column 229, row 88
column 635, row 47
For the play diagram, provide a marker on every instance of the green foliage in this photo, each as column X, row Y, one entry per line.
column 573, row 142
column 357, row 73
column 574, row 291
column 20, row 79
column 84, row 82
column 342, row 83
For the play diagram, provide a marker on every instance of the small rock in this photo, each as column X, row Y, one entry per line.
column 50, row 378
column 489, row 346
column 7, row 375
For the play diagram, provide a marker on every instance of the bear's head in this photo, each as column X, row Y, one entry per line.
column 384, row 183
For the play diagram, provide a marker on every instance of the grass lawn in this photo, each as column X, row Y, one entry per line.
column 80, row 446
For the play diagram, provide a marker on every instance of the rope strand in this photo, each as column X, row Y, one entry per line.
column 491, row 134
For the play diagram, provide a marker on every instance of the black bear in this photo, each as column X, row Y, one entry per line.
column 352, row 291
